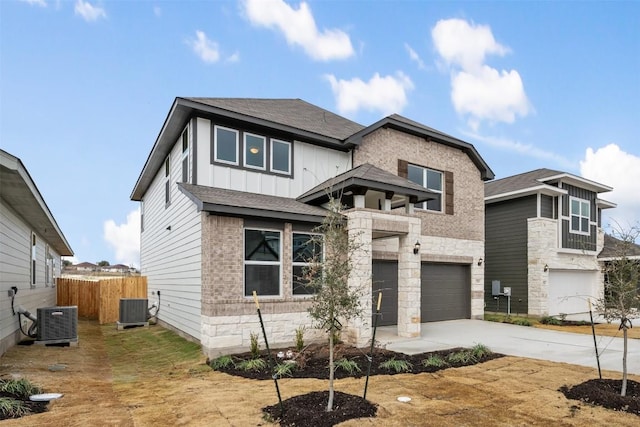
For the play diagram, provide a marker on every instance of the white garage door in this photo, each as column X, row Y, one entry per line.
column 569, row 291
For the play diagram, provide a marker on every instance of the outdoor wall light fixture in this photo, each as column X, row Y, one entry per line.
column 546, row 268
column 169, row 228
column 480, row 262
column 416, row 248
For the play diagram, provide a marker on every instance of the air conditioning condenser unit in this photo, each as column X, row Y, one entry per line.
column 133, row 310
column 58, row 324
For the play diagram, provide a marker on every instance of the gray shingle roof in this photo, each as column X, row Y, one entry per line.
column 240, row 203
column 371, row 177
column 291, row 112
column 518, row 182
column 614, row 248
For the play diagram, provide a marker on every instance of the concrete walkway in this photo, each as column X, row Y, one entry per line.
column 513, row 340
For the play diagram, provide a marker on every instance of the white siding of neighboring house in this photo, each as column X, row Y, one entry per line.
column 312, row 165
column 15, row 270
column 171, row 259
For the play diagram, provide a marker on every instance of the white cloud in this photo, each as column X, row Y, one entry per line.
column 489, row 95
column 89, row 12
column 235, row 57
column 611, row 166
column 521, row 148
column 413, row 55
column 125, row 239
column 384, row 94
column 463, row 44
column 41, row 3
column 299, row 28
column 477, row 90
column 206, row 49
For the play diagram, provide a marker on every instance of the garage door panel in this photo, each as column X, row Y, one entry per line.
column 446, row 292
column 569, row 291
column 385, row 280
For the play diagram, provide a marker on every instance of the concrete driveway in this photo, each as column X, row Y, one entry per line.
column 513, row 340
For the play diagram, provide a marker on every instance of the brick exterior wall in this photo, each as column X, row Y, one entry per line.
column 384, row 147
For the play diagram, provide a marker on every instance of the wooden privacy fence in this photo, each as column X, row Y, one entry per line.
column 99, row 299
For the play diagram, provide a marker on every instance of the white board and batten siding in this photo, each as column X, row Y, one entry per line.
column 172, row 259
column 312, row 165
column 15, row 270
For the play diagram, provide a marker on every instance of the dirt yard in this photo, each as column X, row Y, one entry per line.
column 149, row 377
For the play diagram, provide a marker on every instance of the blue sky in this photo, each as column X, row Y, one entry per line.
column 86, row 85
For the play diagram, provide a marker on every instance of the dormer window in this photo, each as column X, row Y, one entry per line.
column 580, row 215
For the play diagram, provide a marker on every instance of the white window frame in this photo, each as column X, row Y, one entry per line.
column 246, row 262
column 278, row 171
column 167, row 182
column 186, row 155
column 264, row 151
column 580, row 215
column 302, row 264
column 215, row 145
column 425, row 170
column 33, row 260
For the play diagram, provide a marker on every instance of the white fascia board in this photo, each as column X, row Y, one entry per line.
column 578, row 181
column 549, row 190
column 605, row 204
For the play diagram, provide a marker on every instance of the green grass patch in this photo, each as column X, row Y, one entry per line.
column 12, row 408
column 505, row 318
column 222, row 362
column 22, row 388
column 463, row 356
column 284, row 369
column 479, row 351
column 252, row 365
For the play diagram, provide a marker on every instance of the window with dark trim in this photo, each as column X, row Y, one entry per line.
column 167, row 177
column 428, row 178
column 185, row 155
column 262, row 262
column 306, row 250
column 34, row 244
column 225, row 143
column 254, row 151
column 280, row 156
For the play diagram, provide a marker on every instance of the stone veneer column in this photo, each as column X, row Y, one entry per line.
column 358, row 331
column 409, row 283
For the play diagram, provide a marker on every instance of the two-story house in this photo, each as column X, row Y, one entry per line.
column 234, row 188
column 31, row 247
column 543, row 237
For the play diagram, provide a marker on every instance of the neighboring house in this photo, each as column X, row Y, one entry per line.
column 615, row 249
column 30, row 250
column 117, row 268
column 543, row 236
column 233, row 189
column 85, row 267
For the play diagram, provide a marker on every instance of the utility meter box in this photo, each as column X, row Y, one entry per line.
column 507, row 291
column 495, row 288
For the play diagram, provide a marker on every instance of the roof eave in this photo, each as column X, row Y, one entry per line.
column 541, row 189
column 485, row 171
column 578, row 181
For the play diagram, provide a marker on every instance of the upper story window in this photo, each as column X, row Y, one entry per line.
column 254, row 151
column 307, row 248
column 225, row 145
column 185, row 155
column 281, row 156
column 262, row 262
column 580, row 213
column 167, row 176
column 432, row 181
column 34, row 245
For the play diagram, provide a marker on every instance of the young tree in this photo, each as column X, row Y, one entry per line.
column 334, row 301
column 103, row 263
column 621, row 301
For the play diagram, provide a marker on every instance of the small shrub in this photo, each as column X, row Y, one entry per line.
column 252, row 365
column 396, row 365
column 349, row 366
column 22, row 387
column 222, row 362
column 521, row 322
column 479, row 351
column 464, row 356
column 548, row 320
column 435, row 361
column 299, row 338
column 255, row 347
column 12, row 408
column 284, row 369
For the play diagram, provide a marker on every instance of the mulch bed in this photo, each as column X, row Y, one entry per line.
column 313, row 362
column 606, row 393
column 34, row 407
